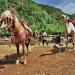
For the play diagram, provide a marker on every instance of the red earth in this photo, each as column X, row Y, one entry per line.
column 41, row 61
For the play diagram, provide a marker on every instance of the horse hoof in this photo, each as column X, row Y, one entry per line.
column 24, row 62
column 17, row 61
column 26, row 54
column 29, row 51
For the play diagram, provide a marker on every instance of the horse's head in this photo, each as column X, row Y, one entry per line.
column 6, row 19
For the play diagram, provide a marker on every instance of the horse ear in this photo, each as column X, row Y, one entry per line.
column 67, row 17
column 64, row 16
column 13, row 11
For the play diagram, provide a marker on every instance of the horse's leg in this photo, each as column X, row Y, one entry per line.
column 73, row 38
column 24, row 59
column 23, row 52
column 73, row 46
column 47, row 42
column 43, row 42
column 17, row 46
column 66, row 42
column 18, row 54
column 28, row 48
column 67, row 46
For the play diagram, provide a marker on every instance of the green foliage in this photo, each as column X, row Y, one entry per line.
column 73, row 16
column 39, row 17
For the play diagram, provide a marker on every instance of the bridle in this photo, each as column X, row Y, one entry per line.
column 6, row 19
column 7, row 23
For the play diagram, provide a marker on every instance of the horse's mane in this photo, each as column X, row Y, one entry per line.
column 6, row 13
column 70, row 20
column 73, row 22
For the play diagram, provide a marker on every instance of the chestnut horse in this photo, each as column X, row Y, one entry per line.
column 20, row 32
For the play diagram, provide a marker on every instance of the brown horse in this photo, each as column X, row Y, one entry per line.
column 20, row 35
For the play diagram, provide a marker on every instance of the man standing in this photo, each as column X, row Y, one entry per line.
column 44, row 38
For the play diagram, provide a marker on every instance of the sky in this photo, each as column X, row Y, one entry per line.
column 67, row 6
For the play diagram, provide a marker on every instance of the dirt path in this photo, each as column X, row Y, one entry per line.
column 41, row 62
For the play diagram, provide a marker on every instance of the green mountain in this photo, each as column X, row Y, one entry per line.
column 39, row 17
column 73, row 16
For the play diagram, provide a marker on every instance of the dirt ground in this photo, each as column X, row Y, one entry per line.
column 42, row 61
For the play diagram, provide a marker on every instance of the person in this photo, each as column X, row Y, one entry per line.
column 39, row 37
column 44, row 38
column 57, row 41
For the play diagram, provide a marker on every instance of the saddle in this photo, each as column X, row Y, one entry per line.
column 25, row 26
column 72, row 21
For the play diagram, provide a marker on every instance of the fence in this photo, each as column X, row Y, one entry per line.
column 6, row 40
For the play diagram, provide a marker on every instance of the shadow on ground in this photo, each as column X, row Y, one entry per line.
column 9, row 59
column 53, row 51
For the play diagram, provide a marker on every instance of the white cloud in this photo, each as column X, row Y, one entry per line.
column 67, row 7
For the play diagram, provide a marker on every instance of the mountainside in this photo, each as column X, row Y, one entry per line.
column 73, row 16
column 39, row 17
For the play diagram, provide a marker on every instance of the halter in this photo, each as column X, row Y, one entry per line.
column 6, row 19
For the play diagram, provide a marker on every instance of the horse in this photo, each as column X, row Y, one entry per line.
column 20, row 35
column 28, row 36
column 35, row 35
column 69, row 30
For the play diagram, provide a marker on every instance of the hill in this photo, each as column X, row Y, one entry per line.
column 39, row 17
